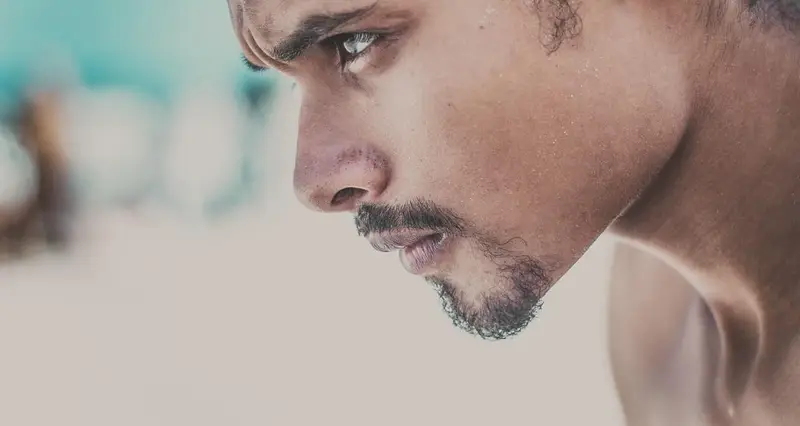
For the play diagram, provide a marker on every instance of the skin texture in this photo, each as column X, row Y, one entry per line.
column 523, row 130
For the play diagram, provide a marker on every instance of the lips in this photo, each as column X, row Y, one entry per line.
column 419, row 249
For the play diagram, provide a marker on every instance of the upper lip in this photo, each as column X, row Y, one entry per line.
column 398, row 239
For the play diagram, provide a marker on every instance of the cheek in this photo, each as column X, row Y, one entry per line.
column 454, row 104
column 491, row 141
column 550, row 148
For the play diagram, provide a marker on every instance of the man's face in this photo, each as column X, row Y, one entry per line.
column 452, row 123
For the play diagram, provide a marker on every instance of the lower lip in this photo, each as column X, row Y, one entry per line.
column 420, row 257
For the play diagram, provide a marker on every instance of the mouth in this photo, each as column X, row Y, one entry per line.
column 419, row 250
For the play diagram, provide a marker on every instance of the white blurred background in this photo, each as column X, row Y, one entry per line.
column 196, row 291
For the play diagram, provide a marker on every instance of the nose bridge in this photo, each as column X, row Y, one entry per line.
column 336, row 165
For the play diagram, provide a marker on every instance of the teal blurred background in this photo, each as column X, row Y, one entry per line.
column 154, row 46
column 152, row 73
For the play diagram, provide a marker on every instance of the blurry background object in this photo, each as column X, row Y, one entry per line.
column 18, row 177
column 154, row 106
column 42, row 214
column 204, row 153
column 111, row 136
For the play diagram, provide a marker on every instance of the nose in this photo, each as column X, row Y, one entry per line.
column 336, row 168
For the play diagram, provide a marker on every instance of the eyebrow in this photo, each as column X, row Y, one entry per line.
column 311, row 31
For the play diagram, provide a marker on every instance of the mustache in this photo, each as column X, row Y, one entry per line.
column 374, row 218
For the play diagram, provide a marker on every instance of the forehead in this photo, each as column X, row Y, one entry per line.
column 279, row 16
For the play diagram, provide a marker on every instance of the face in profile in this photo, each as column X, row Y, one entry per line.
column 490, row 142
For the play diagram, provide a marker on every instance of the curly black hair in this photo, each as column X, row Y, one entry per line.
column 561, row 20
column 770, row 12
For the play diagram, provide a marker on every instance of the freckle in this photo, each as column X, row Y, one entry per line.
column 481, row 27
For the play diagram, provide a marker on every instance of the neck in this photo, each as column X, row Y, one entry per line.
column 725, row 209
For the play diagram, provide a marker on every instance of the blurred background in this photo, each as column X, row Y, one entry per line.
column 155, row 268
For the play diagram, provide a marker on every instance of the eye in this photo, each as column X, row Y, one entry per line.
column 351, row 46
column 356, row 43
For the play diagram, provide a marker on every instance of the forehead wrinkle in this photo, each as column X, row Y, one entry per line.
column 258, row 16
column 262, row 15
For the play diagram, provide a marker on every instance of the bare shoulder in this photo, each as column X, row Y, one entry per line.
column 654, row 315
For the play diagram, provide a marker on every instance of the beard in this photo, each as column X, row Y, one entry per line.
column 497, row 314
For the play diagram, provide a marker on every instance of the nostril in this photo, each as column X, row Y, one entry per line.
column 346, row 195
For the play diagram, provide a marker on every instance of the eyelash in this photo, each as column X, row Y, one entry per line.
column 251, row 66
